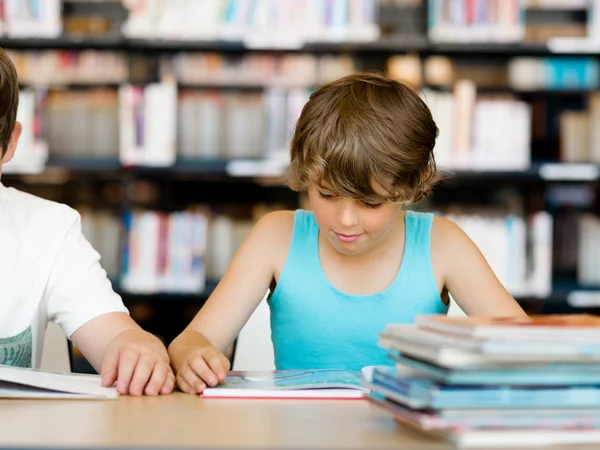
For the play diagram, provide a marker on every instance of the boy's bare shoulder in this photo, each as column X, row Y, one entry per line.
column 442, row 227
column 276, row 226
column 273, row 233
column 447, row 238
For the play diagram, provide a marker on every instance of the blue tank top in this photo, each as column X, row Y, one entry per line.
column 315, row 325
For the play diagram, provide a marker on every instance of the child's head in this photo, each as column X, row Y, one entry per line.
column 363, row 140
column 10, row 130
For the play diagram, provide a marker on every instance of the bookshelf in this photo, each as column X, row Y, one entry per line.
column 241, row 186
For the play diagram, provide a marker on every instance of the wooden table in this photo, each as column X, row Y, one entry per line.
column 183, row 421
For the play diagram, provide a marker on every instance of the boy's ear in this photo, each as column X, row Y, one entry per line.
column 12, row 144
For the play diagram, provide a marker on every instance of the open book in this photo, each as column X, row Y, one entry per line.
column 17, row 382
column 315, row 383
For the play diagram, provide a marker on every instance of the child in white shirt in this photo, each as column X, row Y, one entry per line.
column 49, row 272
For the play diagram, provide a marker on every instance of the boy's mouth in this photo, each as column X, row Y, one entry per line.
column 346, row 238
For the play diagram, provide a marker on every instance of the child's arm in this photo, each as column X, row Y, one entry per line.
column 197, row 353
column 121, row 351
column 79, row 297
column 466, row 273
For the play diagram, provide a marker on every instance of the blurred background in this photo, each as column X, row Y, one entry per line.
column 166, row 124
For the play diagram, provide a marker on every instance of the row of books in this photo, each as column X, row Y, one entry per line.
column 476, row 21
column 153, row 252
column 213, row 125
column 521, row 74
column 494, row 382
column 480, row 133
column 151, row 125
column 256, row 69
column 262, row 23
column 165, row 252
column 476, row 132
column 58, row 67
column 69, row 67
column 154, row 123
column 554, row 73
column 518, row 249
column 32, row 18
column 65, row 67
column 557, row 4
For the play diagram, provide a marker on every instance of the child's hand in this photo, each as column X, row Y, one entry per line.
column 203, row 367
column 139, row 363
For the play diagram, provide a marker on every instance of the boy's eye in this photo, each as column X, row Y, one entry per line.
column 326, row 196
column 371, row 205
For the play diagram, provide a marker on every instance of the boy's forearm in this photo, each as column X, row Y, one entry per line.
column 96, row 335
column 185, row 343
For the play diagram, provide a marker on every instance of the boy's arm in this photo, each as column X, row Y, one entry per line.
column 239, row 292
column 79, row 297
column 467, row 275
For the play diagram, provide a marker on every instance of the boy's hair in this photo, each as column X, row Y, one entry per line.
column 362, row 128
column 9, row 100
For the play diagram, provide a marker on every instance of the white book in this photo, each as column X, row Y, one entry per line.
column 18, row 382
column 540, row 280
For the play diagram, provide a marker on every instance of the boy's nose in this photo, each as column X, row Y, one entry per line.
column 347, row 216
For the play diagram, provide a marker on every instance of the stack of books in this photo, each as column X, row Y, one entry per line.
column 494, row 381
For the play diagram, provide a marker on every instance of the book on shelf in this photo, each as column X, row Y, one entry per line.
column 18, row 382
column 286, row 25
column 292, row 384
column 147, row 124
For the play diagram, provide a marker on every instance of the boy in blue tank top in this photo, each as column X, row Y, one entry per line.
column 362, row 148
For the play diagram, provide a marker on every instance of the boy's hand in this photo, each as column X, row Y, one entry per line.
column 139, row 363
column 203, row 367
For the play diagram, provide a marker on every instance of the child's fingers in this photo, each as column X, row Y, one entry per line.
column 199, row 365
column 127, row 363
column 217, row 366
column 192, row 379
column 143, row 372
column 226, row 365
column 169, row 384
column 185, row 386
column 110, row 368
column 157, row 380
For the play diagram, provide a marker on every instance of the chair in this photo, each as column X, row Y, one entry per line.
column 55, row 354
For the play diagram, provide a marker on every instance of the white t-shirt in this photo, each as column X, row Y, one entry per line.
column 48, row 272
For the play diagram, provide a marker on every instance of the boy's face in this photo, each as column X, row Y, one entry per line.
column 352, row 226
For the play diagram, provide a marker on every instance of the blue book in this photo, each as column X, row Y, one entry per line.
column 571, row 73
column 551, row 374
column 421, row 393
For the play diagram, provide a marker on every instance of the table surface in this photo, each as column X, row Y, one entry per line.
column 185, row 421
